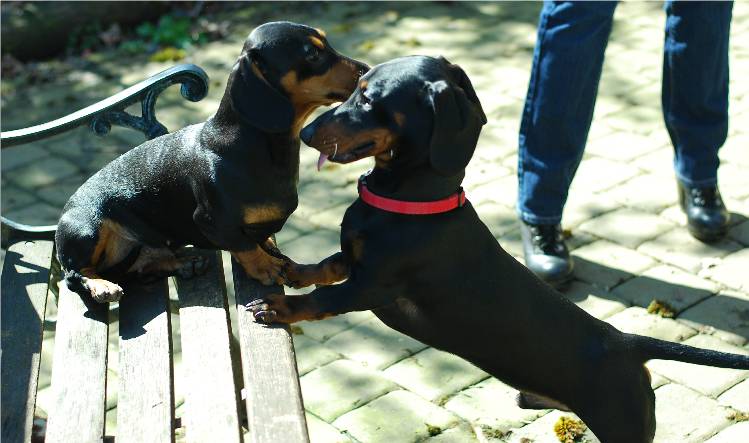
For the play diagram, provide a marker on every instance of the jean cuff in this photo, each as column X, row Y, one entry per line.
column 531, row 219
column 697, row 183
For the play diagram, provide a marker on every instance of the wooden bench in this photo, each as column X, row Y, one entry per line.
column 145, row 396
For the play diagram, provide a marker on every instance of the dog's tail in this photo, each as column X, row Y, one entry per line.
column 650, row 348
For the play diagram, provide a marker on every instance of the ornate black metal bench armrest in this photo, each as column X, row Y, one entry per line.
column 111, row 111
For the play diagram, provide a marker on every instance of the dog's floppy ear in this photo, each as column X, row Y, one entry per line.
column 256, row 101
column 461, row 79
column 457, row 125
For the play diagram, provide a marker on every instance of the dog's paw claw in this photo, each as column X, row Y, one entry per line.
column 255, row 304
column 261, row 311
column 265, row 316
column 266, row 310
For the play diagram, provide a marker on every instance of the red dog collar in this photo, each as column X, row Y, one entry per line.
column 408, row 207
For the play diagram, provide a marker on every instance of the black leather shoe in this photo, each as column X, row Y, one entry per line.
column 707, row 216
column 545, row 253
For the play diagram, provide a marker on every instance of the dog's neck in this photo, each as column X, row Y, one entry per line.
column 227, row 118
column 422, row 184
column 231, row 125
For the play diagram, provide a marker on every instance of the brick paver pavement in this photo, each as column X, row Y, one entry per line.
column 364, row 382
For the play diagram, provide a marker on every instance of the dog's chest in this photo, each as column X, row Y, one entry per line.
column 408, row 318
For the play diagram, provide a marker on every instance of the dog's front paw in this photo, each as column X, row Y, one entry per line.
column 279, row 308
column 104, row 291
column 297, row 276
column 273, row 308
column 268, row 271
column 261, row 266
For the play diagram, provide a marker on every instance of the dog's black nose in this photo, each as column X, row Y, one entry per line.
column 308, row 132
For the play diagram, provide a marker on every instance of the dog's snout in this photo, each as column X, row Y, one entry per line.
column 359, row 68
column 363, row 69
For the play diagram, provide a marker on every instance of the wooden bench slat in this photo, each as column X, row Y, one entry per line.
column 24, row 298
column 211, row 395
column 145, row 403
column 275, row 412
column 79, row 370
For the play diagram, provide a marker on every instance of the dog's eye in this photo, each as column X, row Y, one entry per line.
column 313, row 55
column 365, row 102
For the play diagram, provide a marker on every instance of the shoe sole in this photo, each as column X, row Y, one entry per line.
column 707, row 237
column 560, row 284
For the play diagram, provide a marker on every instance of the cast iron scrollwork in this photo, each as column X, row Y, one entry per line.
column 111, row 111
column 194, row 88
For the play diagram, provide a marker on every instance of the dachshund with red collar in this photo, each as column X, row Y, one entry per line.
column 414, row 251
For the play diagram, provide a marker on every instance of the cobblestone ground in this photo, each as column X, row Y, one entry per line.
column 364, row 382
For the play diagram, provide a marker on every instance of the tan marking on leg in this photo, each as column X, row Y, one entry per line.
column 152, row 260
column 321, row 32
column 186, row 262
column 324, row 273
column 89, row 273
column 101, row 244
column 114, row 244
column 261, row 266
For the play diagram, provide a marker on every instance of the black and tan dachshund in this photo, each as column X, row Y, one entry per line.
column 228, row 183
column 443, row 278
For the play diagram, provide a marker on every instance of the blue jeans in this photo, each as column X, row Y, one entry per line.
column 572, row 38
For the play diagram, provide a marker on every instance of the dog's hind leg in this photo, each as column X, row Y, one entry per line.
column 528, row 400
column 620, row 407
column 85, row 250
column 156, row 263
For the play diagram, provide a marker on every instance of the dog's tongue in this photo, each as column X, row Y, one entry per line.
column 321, row 160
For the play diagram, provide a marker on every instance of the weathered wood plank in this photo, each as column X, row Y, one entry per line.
column 211, row 395
column 275, row 412
column 79, row 370
column 24, row 298
column 145, row 404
